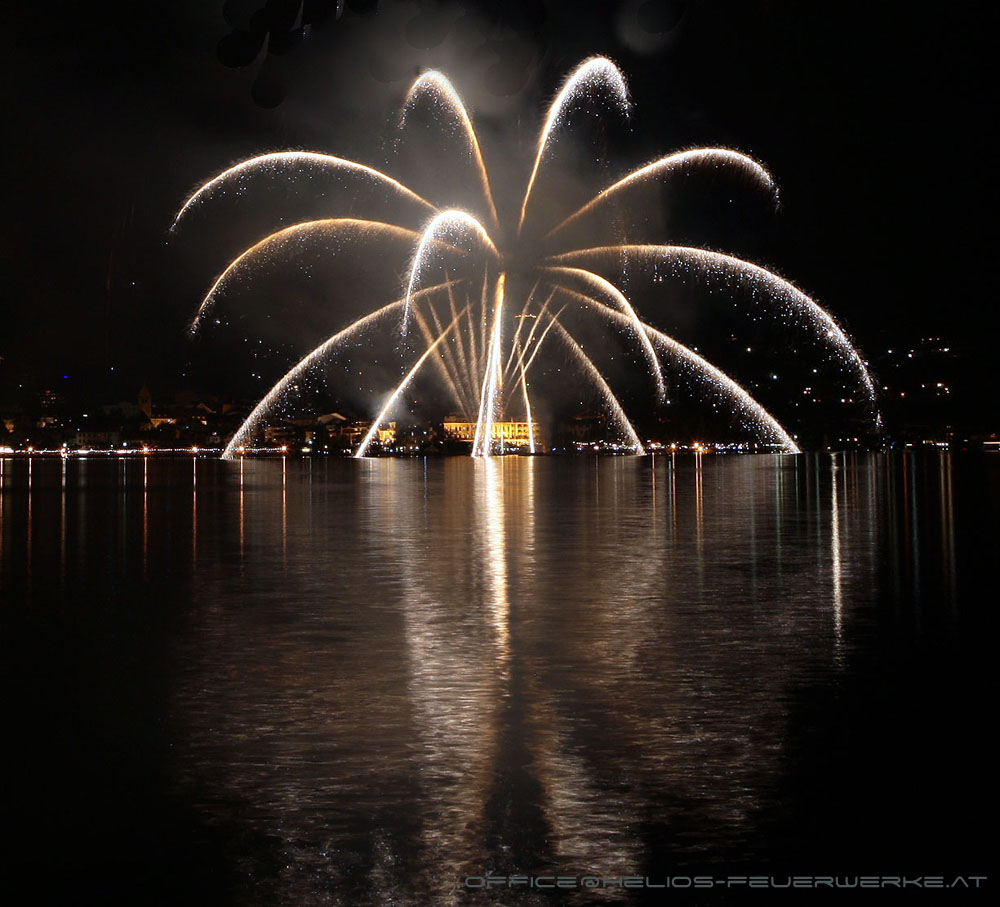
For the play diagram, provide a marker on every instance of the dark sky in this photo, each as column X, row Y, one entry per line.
column 873, row 118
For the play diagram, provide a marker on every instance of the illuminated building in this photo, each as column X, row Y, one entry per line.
column 507, row 434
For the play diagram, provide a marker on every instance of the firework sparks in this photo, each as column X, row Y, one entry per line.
column 475, row 345
column 279, row 162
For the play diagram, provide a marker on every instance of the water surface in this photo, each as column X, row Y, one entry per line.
column 337, row 681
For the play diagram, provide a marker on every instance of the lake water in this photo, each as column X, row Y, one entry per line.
column 333, row 681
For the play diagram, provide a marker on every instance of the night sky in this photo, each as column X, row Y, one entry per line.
column 873, row 118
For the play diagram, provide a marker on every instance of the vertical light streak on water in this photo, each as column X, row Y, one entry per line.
column 145, row 517
column 658, row 533
column 424, row 499
column 868, row 494
column 30, row 527
column 872, row 495
column 496, row 562
column 2, row 480
column 699, row 515
column 242, row 517
column 62, row 524
column 835, row 568
column 904, row 535
column 529, row 517
column 652, row 487
column 194, row 510
column 311, row 496
column 779, row 505
column 673, row 494
column 911, row 490
column 818, row 510
column 584, row 824
column 887, row 484
column 122, row 527
column 947, row 524
column 284, row 512
column 450, row 604
column 81, row 501
column 849, row 479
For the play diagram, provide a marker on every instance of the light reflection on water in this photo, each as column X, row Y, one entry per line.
column 385, row 676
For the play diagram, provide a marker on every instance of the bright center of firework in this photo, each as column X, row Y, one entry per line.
column 483, row 299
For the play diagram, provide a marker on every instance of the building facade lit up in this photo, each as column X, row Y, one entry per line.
column 505, row 434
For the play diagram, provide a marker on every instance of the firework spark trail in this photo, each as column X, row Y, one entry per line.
column 249, row 426
column 446, row 361
column 463, row 360
column 521, row 318
column 475, row 369
column 444, row 367
column 704, row 371
column 609, row 396
column 279, row 159
column 719, row 157
column 448, row 357
column 605, row 286
column 543, row 335
column 593, row 71
column 363, row 447
column 527, row 404
column 483, row 323
column 441, row 86
column 515, row 340
column 728, row 266
column 473, row 348
column 465, row 392
column 714, row 377
column 445, row 220
column 483, row 442
column 297, row 231
column 534, row 326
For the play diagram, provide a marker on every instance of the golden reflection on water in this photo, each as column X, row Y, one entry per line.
column 945, row 483
column 492, row 521
column 62, row 521
column 835, row 569
column 400, row 673
column 30, row 533
column 242, row 517
column 284, row 512
column 145, row 518
column 3, row 505
column 194, row 511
